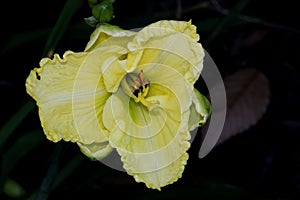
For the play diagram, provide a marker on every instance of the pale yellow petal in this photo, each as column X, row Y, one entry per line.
column 136, row 122
column 163, row 176
column 171, row 43
column 89, row 97
column 70, row 95
column 113, row 67
column 171, row 79
column 51, row 86
column 107, row 35
column 157, row 168
column 96, row 151
column 149, row 141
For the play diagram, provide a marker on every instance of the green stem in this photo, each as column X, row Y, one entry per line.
column 51, row 174
column 61, row 25
column 239, row 6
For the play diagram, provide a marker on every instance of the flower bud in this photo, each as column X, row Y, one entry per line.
column 103, row 11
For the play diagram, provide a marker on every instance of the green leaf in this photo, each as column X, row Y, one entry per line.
column 29, row 141
column 62, row 24
column 8, row 128
column 68, row 170
column 69, row 9
column 54, row 178
column 226, row 21
column 23, row 145
column 51, row 174
column 23, row 38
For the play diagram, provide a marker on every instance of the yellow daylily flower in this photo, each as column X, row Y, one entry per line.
column 129, row 91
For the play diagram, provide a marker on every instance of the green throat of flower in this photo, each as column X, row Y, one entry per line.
column 137, row 87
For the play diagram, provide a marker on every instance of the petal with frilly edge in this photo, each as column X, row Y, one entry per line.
column 152, row 140
column 149, row 144
column 172, row 43
column 164, row 176
column 51, row 86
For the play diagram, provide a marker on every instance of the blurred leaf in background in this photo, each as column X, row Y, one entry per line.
column 248, row 96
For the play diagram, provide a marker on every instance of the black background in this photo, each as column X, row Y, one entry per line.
column 261, row 163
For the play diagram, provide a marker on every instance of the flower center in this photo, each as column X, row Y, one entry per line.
column 137, row 87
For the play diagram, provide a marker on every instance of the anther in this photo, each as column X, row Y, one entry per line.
column 138, row 83
column 136, row 86
column 136, row 93
column 141, row 76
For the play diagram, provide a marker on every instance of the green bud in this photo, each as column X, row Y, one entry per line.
column 13, row 189
column 103, row 12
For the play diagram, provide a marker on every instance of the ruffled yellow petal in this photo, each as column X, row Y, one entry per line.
column 170, row 78
column 149, row 141
column 118, row 63
column 114, row 67
column 89, row 97
column 70, row 95
column 51, row 86
column 163, row 176
column 171, row 43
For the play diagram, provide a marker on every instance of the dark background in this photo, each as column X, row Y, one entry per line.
column 263, row 162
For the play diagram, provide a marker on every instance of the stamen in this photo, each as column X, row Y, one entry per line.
column 136, row 86
column 141, row 76
column 138, row 83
